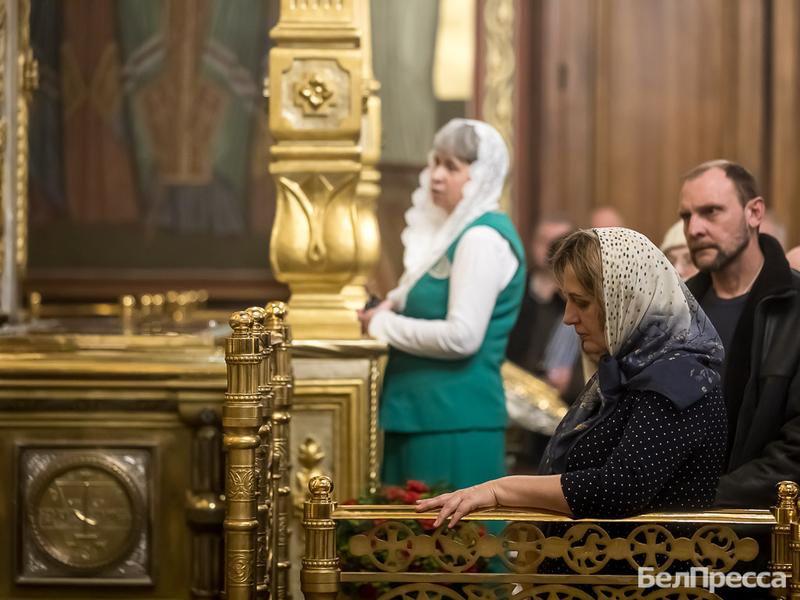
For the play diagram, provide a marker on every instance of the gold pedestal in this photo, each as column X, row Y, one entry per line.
column 324, row 117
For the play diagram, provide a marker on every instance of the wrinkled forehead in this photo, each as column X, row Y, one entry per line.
column 710, row 187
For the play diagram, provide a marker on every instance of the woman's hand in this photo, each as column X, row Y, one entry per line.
column 365, row 316
column 461, row 502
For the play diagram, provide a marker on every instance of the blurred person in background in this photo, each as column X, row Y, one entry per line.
column 606, row 216
column 793, row 256
column 676, row 249
column 540, row 342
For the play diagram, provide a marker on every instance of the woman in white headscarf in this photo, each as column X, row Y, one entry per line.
column 447, row 322
column 648, row 432
column 676, row 249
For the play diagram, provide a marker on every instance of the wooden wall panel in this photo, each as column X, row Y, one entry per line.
column 784, row 188
column 668, row 98
column 565, row 128
column 636, row 92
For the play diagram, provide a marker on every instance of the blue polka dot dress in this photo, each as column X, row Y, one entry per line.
column 647, row 456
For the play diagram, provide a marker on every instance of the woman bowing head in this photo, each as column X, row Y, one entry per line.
column 648, row 432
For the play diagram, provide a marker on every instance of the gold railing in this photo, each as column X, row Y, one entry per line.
column 255, row 420
column 592, row 558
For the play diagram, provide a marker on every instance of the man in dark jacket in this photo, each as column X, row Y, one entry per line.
column 752, row 297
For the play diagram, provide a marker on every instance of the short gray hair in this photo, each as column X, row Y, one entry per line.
column 459, row 140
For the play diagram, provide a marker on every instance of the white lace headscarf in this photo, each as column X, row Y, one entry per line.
column 429, row 229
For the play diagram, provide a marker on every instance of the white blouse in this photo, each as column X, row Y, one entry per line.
column 483, row 265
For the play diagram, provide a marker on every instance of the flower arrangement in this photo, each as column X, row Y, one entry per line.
column 466, row 532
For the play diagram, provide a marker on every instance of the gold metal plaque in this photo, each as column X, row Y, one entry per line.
column 85, row 515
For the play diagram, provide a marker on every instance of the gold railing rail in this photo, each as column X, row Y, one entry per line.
column 603, row 554
column 255, row 420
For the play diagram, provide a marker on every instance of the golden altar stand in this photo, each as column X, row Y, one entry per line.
column 112, row 462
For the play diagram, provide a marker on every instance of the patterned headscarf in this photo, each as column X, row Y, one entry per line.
column 659, row 339
column 430, row 230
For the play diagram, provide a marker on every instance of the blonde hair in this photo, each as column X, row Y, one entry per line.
column 580, row 251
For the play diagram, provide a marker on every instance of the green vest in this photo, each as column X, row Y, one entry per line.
column 429, row 394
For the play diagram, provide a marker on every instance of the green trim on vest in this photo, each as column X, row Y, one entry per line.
column 429, row 394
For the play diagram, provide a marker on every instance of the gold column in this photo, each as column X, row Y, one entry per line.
column 28, row 81
column 205, row 507
column 368, row 188
column 319, row 578
column 3, row 134
column 325, row 237
column 785, row 514
column 497, row 103
column 282, row 385
column 793, row 593
column 263, row 453
column 241, row 419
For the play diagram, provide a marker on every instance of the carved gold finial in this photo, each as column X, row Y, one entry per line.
column 259, row 316
column 276, row 311
column 127, row 301
column 35, row 303
column 787, row 493
column 321, row 488
column 240, row 322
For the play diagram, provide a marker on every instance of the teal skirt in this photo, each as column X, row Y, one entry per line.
column 455, row 459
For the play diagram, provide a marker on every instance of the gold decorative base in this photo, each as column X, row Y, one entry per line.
column 315, row 315
column 355, row 296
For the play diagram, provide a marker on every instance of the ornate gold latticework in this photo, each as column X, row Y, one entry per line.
column 587, row 560
column 433, row 591
column 585, row 548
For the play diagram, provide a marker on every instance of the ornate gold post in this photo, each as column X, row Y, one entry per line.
column 325, row 237
column 19, row 78
column 28, row 81
column 785, row 514
column 319, row 577
column 368, row 188
column 241, row 418
column 263, row 453
column 205, row 505
column 4, row 196
column 282, row 384
column 793, row 591
column 497, row 104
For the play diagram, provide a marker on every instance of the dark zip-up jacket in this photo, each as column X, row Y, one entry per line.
column 762, row 384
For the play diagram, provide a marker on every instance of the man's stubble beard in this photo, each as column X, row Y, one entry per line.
column 723, row 259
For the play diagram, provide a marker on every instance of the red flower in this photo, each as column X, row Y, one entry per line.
column 394, row 492
column 350, row 501
column 426, row 524
column 414, row 485
column 411, row 497
column 367, row 591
